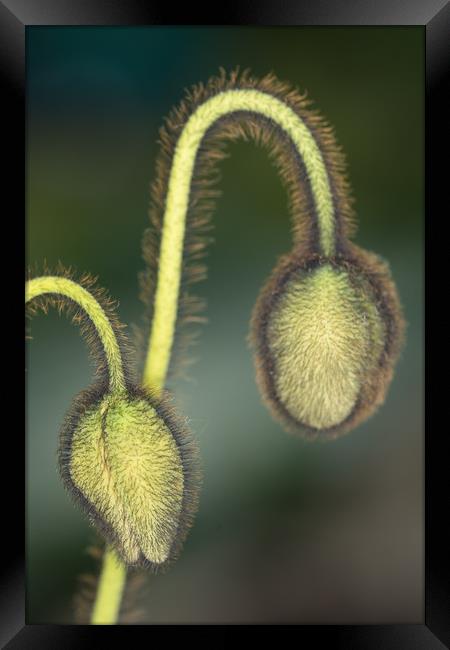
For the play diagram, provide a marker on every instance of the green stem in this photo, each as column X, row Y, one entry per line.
column 113, row 574
column 177, row 202
column 65, row 288
column 110, row 588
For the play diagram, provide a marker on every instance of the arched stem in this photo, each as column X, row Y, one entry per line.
column 113, row 574
column 65, row 288
column 177, row 202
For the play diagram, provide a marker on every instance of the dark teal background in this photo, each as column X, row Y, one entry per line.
column 286, row 530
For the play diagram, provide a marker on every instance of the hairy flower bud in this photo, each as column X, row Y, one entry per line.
column 129, row 462
column 326, row 336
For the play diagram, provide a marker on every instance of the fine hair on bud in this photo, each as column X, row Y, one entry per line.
column 124, row 455
column 132, row 464
column 327, row 327
column 326, row 335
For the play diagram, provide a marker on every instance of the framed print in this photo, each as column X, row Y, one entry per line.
column 233, row 217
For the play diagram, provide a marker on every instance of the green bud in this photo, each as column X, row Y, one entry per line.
column 326, row 336
column 129, row 462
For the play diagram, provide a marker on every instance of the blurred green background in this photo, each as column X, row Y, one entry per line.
column 287, row 531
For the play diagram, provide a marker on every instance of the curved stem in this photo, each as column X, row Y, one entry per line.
column 113, row 573
column 177, row 201
column 63, row 287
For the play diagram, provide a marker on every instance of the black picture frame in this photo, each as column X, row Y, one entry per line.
column 434, row 16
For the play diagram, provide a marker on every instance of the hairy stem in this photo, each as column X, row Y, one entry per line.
column 113, row 574
column 68, row 289
column 177, row 203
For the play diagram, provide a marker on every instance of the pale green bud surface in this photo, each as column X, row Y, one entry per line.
column 324, row 334
column 125, row 461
